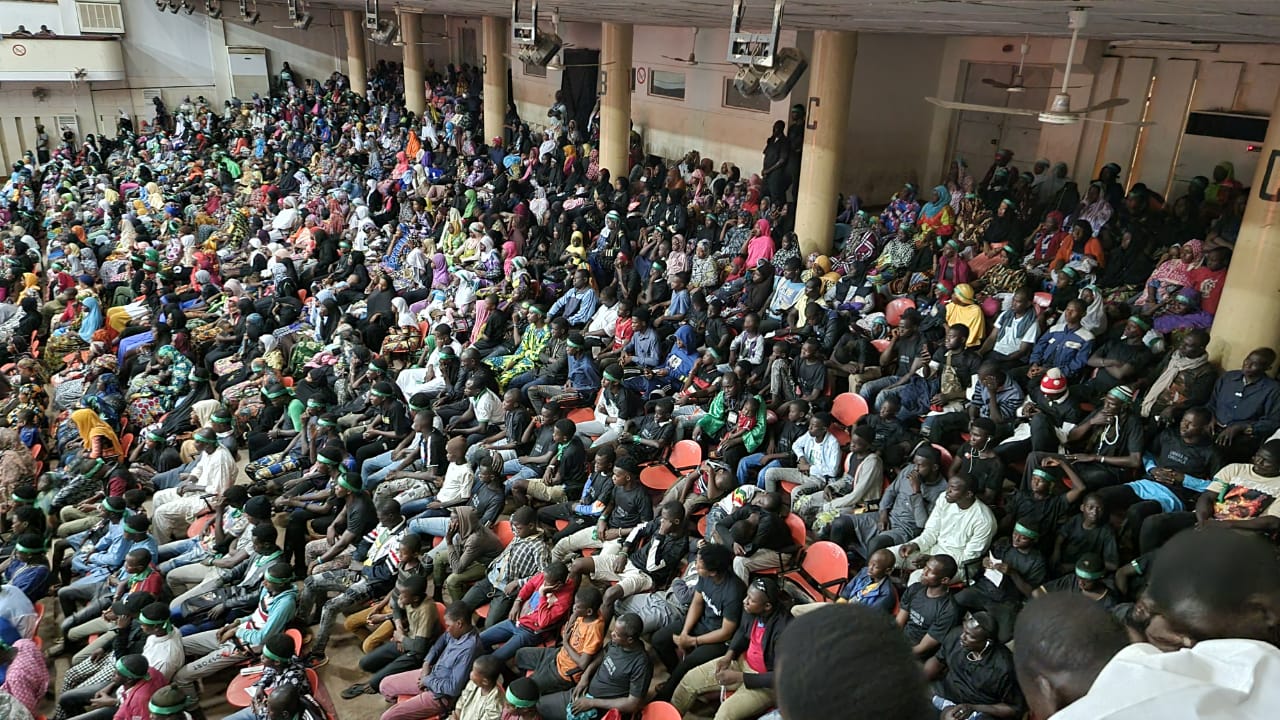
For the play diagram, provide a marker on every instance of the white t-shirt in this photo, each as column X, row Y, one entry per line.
column 1008, row 340
column 488, row 408
column 1216, row 679
column 458, row 480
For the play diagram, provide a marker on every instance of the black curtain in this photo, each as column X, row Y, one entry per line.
column 578, row 83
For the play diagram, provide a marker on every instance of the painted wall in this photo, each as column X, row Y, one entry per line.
column 671, row 128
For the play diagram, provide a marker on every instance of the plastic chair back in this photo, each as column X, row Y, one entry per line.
column 796, row 525
column 946, row 457
column 658, row 710
column 503, row 530
column 685, row 456
column 893, row 311
column 848, row 408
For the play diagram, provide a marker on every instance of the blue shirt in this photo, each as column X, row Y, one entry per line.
column 583, row 375
column 1066, row 349
column 643, row 348
column 32, row 580
column 679, row 304
column 1257, row 403
column 450, row 662
column 582, row 312
column 875, row 594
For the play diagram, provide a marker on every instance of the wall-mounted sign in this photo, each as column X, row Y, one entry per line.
column 19, row 50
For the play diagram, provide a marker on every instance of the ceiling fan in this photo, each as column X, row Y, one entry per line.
column 1018, row 85
column 692, row 60
column 1059, row 112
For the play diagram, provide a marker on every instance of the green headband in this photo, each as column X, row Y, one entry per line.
column 21, row 500
column 1121, row 394
column 108, row 508
column 517, row 702
column 1044, row 474
column 148, row 621
column 344, row 482
column 537, row 309
column 266, row 652
column 277, row 580
column 573, row 344
column 323, row 459
column 160, row 710
column 326, row 423
column 1088, row 575
column 220, row 418
column 154, row 436
column 24, row 549
column 1140, row 321
column 418, row 408
column 125, row 671
column 1024, row 530
column 610, row 376
column 314, row 403
column 201, row 437
column 714, row 353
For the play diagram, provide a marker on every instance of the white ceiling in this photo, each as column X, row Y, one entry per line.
column 1247, row 21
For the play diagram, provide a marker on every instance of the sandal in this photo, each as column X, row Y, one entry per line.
column 356, row 691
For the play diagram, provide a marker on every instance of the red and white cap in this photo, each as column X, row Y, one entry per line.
column 1053, row 383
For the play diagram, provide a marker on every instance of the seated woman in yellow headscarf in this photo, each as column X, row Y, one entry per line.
column 92, row 457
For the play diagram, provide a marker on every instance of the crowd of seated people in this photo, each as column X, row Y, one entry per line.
column 546, row 439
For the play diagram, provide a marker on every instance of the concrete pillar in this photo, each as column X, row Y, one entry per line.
column 615, row 101
column 493, row 43
column 827, row 115
column 357, row 69
column 1248, row 314
column 415, row 89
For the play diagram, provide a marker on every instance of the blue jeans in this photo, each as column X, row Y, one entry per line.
column 243, row 714
column 170, row 479
column 179, row 553
column 374, row 470
column 434, row 526
column 413, row 507
column 511, row 636
column 753, row 461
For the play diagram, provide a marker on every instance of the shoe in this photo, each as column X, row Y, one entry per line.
column 355, row 691
column 316, row 660
column 56, row 649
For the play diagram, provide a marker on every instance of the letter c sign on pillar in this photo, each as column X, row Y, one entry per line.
column 810, row 123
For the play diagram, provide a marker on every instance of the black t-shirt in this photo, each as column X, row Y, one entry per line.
column 1199, row 461
column 908, row 348
column 1138, row 355
column 810, row 376
column 544, row 442
column 361, row 516
column 927, row 615
column 1116, row 440
column 623, row 673
column 574, row 467
column 432, row 453
column 488, row 503
column 631, row 507
column 787, row 436
column 988, row 681
column 1078, row 540
column 987, row 472
column 1046, row 514
column 514, row 424
column 1030, row 565
column 720, row 601
column 1069, row 584
column 649, row 428
column 392, row 416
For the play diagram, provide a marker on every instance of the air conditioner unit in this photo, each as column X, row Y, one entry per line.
column 99, row 17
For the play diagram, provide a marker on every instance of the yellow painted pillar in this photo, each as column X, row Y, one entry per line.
column 1248, row 314
column 493, row 43
column 415, row 88
column 615, row 100
column 357, row 69
column 830, row 74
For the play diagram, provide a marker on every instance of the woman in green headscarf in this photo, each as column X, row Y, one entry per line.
column 472, row 209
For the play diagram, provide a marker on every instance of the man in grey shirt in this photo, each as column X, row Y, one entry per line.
column 904, row 509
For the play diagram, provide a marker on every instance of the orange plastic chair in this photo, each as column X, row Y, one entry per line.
column 287, row 381
column 126, row 442
column 946, row 456
column 36, row 450
column 581, row 415
column 1041, row 301
column 503, row 530
column 848, row 408
column 198, row 526
column 880, row 345
column 822, row 572
column 893, row 311
column 238, row 690
column 658, row 710
column 302, row 296
column 685, row 456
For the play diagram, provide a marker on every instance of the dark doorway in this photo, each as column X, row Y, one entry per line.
column 579, row 83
